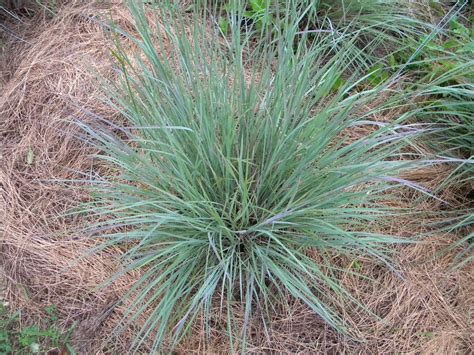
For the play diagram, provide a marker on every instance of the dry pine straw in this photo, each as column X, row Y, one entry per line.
column 46, row 81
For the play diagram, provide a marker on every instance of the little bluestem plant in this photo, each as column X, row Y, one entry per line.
column 225, row 180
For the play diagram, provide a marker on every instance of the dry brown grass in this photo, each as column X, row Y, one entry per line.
column 48, row 81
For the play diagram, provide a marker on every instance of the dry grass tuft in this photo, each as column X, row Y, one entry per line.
column 47, row 81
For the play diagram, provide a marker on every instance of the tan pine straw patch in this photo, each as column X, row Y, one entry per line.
column 47, row 81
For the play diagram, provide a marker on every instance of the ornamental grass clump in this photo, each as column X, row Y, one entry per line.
column 240, row 186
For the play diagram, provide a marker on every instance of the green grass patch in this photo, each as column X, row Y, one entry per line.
column 16, row 338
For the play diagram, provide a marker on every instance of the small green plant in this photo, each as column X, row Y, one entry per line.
column 259, row 12
column 16, row 339
column 6, row 345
